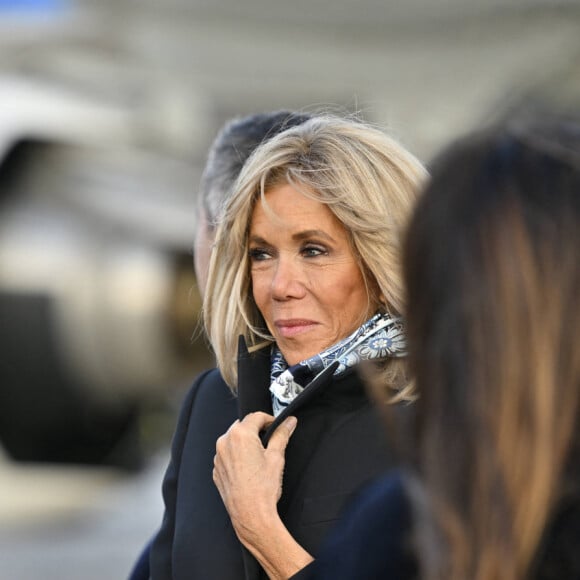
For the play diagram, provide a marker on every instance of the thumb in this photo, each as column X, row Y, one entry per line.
column 282, row 434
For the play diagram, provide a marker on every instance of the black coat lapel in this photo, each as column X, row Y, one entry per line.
column 254, row 395
column 310, row 391
column 253, row 380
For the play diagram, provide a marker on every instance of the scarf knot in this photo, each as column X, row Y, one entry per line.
column 380, row 337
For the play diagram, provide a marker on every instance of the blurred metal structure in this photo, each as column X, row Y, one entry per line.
column 98, row 300
column 426, row 68
column 106, row 111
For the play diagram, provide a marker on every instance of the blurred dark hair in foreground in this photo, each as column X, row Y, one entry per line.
column 492, row 262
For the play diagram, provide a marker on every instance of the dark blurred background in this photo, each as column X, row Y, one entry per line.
column 107, row 108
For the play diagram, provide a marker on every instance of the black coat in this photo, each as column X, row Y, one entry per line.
column 337, row 445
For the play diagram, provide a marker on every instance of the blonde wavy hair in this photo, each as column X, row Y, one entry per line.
column 368, row 181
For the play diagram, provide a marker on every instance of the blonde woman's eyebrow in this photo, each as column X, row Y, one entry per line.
column 258, row 240
column 299, row 236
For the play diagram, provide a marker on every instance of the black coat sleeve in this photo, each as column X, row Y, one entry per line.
column 161, row 548
column 372, row 540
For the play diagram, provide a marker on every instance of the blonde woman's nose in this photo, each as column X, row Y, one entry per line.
column 288, row 280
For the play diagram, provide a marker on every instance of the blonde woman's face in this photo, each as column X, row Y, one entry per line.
column 305, row 278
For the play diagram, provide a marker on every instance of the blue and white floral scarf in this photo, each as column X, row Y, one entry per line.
column 380, row 337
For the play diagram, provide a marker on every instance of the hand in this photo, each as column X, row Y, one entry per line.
column 249, row 476
column 249, row 479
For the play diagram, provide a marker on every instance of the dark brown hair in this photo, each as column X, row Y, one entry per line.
column 492, row 268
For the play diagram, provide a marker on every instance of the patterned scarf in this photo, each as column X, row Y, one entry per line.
column 380, row 337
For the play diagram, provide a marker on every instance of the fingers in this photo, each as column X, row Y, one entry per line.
column 281, row 437
column 241, row 441
column 254, row 423
column 245, row 472
column 258, row 421
column 247, row 429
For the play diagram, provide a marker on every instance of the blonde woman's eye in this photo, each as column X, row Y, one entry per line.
column 258, row 255
column 313, row 251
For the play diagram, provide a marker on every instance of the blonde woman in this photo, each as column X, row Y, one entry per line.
column 305, row 269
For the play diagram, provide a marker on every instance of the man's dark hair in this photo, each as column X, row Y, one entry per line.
column 231, row 148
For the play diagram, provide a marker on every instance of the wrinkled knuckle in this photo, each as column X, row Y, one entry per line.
column 220, row 444
column 258, row 417
column 237, row 433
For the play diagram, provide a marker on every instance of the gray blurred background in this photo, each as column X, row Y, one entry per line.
column 107, row 108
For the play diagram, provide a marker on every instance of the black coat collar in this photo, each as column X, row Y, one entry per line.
column 253, row 382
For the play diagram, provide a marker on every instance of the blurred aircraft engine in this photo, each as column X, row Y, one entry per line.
column 98, row 302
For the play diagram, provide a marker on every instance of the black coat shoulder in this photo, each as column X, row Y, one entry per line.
column 196, row 538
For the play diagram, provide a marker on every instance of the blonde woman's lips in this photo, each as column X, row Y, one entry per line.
column 294, row 326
